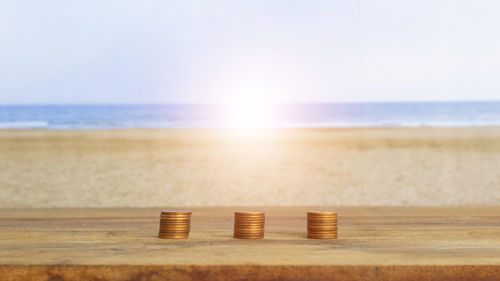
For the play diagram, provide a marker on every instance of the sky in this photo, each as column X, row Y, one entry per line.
column 262, row 51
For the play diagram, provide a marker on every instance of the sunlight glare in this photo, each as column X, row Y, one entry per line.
column 248, row 117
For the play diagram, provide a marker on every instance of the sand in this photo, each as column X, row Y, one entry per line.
column 351, row 167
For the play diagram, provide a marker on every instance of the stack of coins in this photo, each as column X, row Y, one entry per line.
column 174, row 224
column 249, row 225
column 322, row 225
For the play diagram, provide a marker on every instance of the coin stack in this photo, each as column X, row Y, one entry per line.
column 249, row 225
column 174, row 224
column 322, row 225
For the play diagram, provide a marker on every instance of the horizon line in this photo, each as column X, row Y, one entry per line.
column 268, row 103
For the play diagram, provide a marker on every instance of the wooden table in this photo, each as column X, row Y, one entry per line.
column 380, row 243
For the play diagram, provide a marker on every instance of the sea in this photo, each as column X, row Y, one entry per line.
column 335, row 115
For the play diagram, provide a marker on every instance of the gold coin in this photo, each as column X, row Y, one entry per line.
column 250, row 224
column 249, row 229
column 173, row 237
column 174, row 227
column 322, row 226
column 240, row 215
column 249, row 217
column 321, row 218
column 321, row 232
column 259, row 231
column 176, row 217
column 321, row 229
column 176, row 212
column 174, row 230
column 321, row 213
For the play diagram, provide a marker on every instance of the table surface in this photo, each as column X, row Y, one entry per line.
column 391, row 243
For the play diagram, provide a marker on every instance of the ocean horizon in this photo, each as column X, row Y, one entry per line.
column 328, row 115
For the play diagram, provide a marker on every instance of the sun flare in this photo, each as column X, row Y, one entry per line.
column 248, row 116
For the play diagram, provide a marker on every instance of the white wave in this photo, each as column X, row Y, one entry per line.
column 24, row 125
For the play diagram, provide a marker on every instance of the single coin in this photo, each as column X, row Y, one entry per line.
column 250, row 214
column 249, row 236
column 173, row 231
column 321, row 218
column 175, row 217
column 174, row 227
column 174, row 222
column 250, row 224
column 322, row 226
column 321, row 234
column 321, row 212
column 320, row 230
column 248, row 232
column 249, row 217
column 249, row 229
column 173, row 236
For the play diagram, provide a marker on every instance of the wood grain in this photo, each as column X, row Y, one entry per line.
column 376, row 243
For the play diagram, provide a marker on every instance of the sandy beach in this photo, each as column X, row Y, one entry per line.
column 351, row 167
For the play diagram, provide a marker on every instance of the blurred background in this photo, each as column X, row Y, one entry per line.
column 237, row 103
